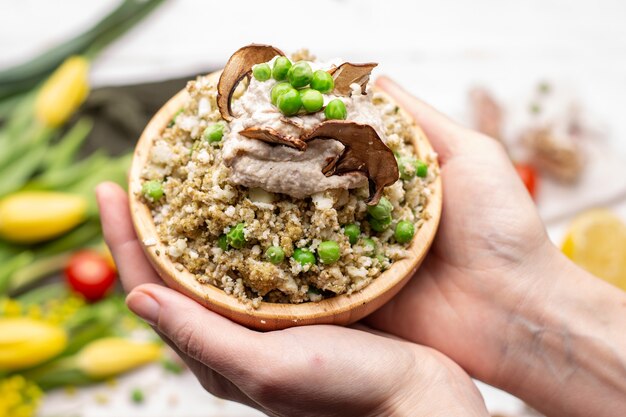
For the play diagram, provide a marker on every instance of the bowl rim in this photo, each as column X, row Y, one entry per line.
column 388, row 283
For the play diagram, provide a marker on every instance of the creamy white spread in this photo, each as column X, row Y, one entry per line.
column 281, row 169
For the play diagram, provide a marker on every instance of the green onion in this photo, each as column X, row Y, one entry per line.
column 62, row 154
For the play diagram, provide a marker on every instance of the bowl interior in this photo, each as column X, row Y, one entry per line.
column 341, row 309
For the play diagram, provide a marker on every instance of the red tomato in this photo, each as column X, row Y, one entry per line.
column 528, row 174
column 89, row 274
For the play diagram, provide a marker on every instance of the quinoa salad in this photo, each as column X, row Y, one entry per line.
column 289, row 180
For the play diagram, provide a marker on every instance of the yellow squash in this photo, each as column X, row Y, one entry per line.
column 35, row 216
column 26, row 342
column 63, row 92
column 111, row 356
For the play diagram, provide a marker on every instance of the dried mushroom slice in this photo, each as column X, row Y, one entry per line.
column 348, row 73
column 270, row 135
column 364, row 152
column 238, row 66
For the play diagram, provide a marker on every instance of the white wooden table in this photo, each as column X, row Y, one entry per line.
column 437, row 49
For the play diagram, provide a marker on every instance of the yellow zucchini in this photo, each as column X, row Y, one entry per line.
column 26, row 342
column 35, row 216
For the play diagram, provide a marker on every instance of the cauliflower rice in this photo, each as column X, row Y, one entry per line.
column 201, row 203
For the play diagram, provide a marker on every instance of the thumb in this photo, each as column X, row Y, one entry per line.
column 196, row 331
column 442, row 133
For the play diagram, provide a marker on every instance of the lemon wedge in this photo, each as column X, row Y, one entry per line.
column 596, row 241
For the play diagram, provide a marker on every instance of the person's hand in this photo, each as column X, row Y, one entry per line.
column 304, row 371
column 489, row 239
column 496, row 296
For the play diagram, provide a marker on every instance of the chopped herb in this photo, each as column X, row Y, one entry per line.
column 171, row 123
column 313, row 290
column 193, row 148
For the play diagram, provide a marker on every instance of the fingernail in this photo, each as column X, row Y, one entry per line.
column 101, row 193
column 144, row 305
column 101, row 188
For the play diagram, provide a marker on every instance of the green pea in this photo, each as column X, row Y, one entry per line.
column 137, row 396
column 422, row 169
column 352, row 231
column 214, row 133
column 300, row 74
column 382, row 210
column 152, row 190
column 275, row 254
column 404, row 231
column 278, row 89
column 409, row 167
column 370, row 246
column 235, row 237
column 379, row 225
column 322, row 81
column 304, row 256
column 289, row 102
column 262, row 72
column 312, row 100
column 328, row 252
column 335, row 110
column 281, row 68
column 222, row 242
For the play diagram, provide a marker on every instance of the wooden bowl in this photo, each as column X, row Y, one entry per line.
column 342, row 309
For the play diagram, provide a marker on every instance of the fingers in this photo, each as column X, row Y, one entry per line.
column 362, row 326
column 199, row 333
column 121, row 239
column 212, row 381
column 443, row 133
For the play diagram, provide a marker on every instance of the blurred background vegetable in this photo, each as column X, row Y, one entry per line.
column 35, row 216
column 25, row 342
column 53, row 338
column 90, row 274
column 76, row 331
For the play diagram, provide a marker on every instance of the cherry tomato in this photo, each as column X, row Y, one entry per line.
column 90, row 274
column 528, row 174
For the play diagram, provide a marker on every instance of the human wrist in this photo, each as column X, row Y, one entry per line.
column 565, row 332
